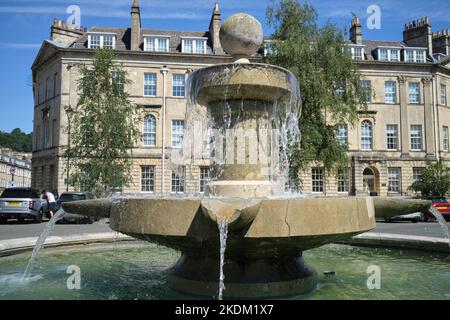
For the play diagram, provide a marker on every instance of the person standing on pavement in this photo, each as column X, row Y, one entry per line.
column 51, row 200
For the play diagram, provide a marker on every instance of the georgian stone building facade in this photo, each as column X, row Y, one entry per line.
column 407, row 121
column 15, row 170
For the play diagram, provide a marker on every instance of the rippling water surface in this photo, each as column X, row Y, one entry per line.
column 125, row 271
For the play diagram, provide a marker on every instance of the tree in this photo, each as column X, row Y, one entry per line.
column 434, row 182
column 102, row 128
column 16, row 140
column 329, row 81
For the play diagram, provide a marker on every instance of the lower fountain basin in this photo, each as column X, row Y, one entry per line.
column 129, row 271
column 266, row 239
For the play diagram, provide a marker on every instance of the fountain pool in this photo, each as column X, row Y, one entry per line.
column 138, row 271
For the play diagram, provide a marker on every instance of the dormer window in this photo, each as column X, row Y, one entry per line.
column 102, row 41
column 268, row 47
column 417, row 55
column 388, row 54
column 357, row 52
column 156, row 43
column 194, row 45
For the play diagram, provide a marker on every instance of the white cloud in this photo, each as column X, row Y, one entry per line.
column 20, row 45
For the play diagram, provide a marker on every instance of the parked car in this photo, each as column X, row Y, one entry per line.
column 442, row 205
column 75, row 196
column 21, row 204
column 413, row 217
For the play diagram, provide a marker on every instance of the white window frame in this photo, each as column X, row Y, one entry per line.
column 180, row 75
column 416, row 137
column 148, row 131
column 414, row 55
column 353, row 51
column 414, row 97
column 178, row 182
column 417, row 173
column 389, row 54
column 317, row 180
column 177, row 133
column 392, row 137
column 102, row 39
column 148, row 179
column 366, row 136
column 445, row 138
column 390, row 97
column 194, row 45
column 342, row 134
column 147, row 83
column 367, row 90
column 268, row 47
column 443, row 94
column 204, row 178
column 342, row 180
column 156, row 47
column 394, row 180
column 118, row 78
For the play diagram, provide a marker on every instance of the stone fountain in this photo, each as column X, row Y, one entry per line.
column 267, row 233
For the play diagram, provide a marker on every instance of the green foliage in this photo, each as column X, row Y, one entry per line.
column 434, row 182
column 102, row 128
column 16, row 140
column 329, row 80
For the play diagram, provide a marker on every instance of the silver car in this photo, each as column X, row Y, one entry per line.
column 21, row 204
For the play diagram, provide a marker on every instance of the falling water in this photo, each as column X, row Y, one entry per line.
column 41, row 240
column 223, row 231
column 440, row 218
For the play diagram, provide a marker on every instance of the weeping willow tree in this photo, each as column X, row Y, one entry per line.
column 102, row 128
column 329, row 81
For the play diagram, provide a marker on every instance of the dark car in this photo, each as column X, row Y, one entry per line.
column 75, row 196
column 21, row 204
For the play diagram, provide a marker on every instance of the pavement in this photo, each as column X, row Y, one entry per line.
column 16, row 237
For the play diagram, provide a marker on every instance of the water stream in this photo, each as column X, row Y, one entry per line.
column 223, row 230
column 440, row 218
column 41, row 240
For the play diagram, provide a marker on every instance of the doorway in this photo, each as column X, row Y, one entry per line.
column 369, row 182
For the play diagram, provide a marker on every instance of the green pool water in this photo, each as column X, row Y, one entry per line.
column 136, row 271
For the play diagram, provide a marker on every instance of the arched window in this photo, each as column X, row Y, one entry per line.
column 150, row 131
column 366, row 135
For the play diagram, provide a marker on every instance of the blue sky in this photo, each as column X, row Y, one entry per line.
column 24, row 24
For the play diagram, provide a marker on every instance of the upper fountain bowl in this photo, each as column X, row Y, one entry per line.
column 241, row 36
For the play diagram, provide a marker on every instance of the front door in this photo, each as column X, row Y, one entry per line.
column 369, row 181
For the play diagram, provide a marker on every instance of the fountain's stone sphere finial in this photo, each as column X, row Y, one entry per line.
column 241, row 35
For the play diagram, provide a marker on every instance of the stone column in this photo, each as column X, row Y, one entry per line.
column 428, row 114
column 404, row 123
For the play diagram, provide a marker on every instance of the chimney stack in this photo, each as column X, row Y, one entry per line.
column 65, row 34
column 356, row 31
column 214, row 28
column 418, row 34
column 441, row 42
column 135, row 26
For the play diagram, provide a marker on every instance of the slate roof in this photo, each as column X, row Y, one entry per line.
column 123, row 38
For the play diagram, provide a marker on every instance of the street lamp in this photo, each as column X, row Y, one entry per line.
column 69, row 109
column 164, row 71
